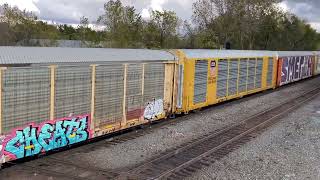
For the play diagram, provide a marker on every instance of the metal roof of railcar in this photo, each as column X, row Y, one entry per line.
column 206, row 53
column 295, row 53
column 44, row 55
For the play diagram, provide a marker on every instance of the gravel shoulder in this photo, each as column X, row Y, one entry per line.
column 288, row 150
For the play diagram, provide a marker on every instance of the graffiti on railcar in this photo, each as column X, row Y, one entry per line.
column 295, row 68
column 35, row 139
column 318, row 65
column 153, row 109
column 2, row 157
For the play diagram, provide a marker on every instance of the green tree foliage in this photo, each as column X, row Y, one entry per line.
column 161, row 30
column 253, row 24
column 123, row 25
column 126, row 28
column 23, row 28
column 68, row 32
column 246, row 24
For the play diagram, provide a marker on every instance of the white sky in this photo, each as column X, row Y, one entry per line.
column 70, row 11
column 23, row 4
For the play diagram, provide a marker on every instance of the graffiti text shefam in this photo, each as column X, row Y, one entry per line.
column 35, row 139
column 296, row 68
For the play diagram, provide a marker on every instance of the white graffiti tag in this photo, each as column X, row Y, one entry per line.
column 2, row 157
column 153, row 109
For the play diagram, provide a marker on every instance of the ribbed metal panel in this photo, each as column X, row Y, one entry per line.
column 134, row 91
column 26, row 97
column 154, row 82
column 258, row 83
column 318, row 64
column 34, row 55
column 180, row 86
column 233, row 77
column 270, row 72
column 72, row 91
column 200, row 81
column 109, row 94
column 224, row 54
column 222, row 78
column 251, row 73
column 242, row 86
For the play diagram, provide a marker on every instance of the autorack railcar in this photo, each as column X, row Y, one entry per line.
column 294, row 66
column 207, row 77
column 54, row 97
column 317, row 63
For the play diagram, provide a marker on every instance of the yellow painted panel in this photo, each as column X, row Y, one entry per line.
column 212, row 81
column 275, row 72
column 169, row 86
column 1, row 86
column 93, row 90
column 52, row 90
column 265, row 71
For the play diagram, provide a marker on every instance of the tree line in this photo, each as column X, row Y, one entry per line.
column 243, row 24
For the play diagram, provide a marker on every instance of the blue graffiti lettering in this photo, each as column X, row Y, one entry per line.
column 51, row 135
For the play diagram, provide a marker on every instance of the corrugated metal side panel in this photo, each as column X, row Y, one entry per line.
column 200, row 81
column 242, row 86
column 72, row 91
column 134, row 91
column 294, row 68
column 251, row 73
column 270, row 72
column 258, row 80
column 318, row 65
column 180, row 86
column 109, row 94
column 154, row 82
column 26, row 97
column 233, row 77
column 222, row 78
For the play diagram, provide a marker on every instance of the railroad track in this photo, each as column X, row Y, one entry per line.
column 58, row 168
column 65, row 168
column 187, row 159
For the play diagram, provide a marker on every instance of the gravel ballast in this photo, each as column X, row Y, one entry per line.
column 288, row 150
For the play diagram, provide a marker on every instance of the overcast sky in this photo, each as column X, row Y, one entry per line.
column 70, row 11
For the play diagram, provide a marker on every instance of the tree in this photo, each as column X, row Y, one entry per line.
column 252, row 24
column 161, row 30
column 83, row 29
column 23, row 26
column 123, row 25
column 67, row 32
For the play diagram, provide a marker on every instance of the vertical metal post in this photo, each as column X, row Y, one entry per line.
column 142, row 82
column 1, row 87
column 93, row 94
column 255, row 74
column 52, row 90
column 228, row 76
column 238, row 79
column 248, row 60
column 124, row 113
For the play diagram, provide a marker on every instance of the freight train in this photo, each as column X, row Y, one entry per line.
column 51, row 98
